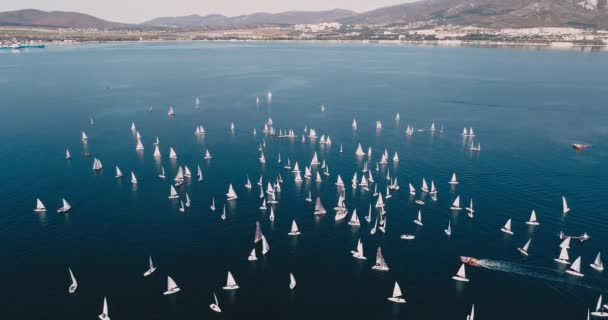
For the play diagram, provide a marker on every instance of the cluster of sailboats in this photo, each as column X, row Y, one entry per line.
column 362, row 179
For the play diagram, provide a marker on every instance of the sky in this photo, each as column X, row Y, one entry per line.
column 136, row 11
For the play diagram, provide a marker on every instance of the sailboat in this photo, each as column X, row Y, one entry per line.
column 354, row 220
column 231, row 194
column 418, row 220
column 187, row 200
column 39, row 206
column 252, row 256
column 433, row 189
column 294, row 229
column 248, row 183
column 448, row 231
column 118, row 173
column 575, row 268
column 470, row 207
column 265, row 246
column 74, row 284
column 151, row 268
column 156, row 152
column 171, row 287
column 84, row 137
column 199, row 173
column 563, row 256
column 230, row 283
column 181, row 206
column 600, row 310
column 471, row 316
column 263, row 206
column 565, row 243
column 309, row 197
column 207, row 155
column 412, row 189
column 397, row 294
column 359, row 152
column 507, row 228
column 292, row 281
column 319, row 209
column 532, row 221
column 425, row 187
column 354, row 124
column 104, row 312
column 271, row 216
column 172, row 153
column 453, row 180
column 565, row 208
column 456, row 204
column 524, row 249
column 133, row 178
column 139, row 146
column 380, row 262
column 197, row 101
column 65, row 208
column 318, row 178
column 223, row 215
column 187, row 172
column 215, row 306
column 171, row 112
column 358, row 253
column 97, row 164
column 173, row 193
column 162, row 173
column 597, row 263
column 68, row 156
column 460, row 275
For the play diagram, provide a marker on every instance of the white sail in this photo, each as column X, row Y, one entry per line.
column 68, row 156
column 65, row 208
column 231, row 194
column 252, row 255
column 39, row 206
column 425, row 187
column 139, row 145
column 199, row 173
column 118, row 172
column 230, row 283
column 315, row 160
column 461, row 275
column 292, row 281
column 524, row 249
column 412, row 189
column 173, row 193
column 354, row 220
column 104, row 312
column 380, row 262
column 156, row 152
column 339, row 181
column 597, row 263
column 359, row 151
column 359, row 252
column 453, row 180
column 171, row 112
column 84, row 137
column 575, row 268
column 171, row 286
column 507, row 227
column 448, row 231
column 294, row 229
column 379, row 201
column 172, row 153
column 456, row 204
column 74, row 284
column 397, row 294
column 97, row 164
column 563, row 256
column 265, row 246
column 319, row 209
column 418, row 220
column 151, row 268
column 565, row 207
column 433, row 189
column 532, row 220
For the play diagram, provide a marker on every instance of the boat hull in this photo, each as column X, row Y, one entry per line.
column 149, row 272
column 575, row 273
column 597, row 267
column 461, row 279
column 172, row 291
column 396, row 300
column 215, row 308
column 522, row 251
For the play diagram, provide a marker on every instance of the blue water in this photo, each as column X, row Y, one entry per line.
column 526, row 106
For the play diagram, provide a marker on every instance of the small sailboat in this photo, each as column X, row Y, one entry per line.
column 265, row 246
column 470, row 207
column 156, row 154
column 187, row 200
column 162, row 173
column 39, row 206
column 65, row 208
column 565, row 208
column 173, row 193
column 425, row 187
column 199, row 173
column 84, row 137
column 309, row 197
column 172, row 153
column 524, row 249
column 215, row 306
column 230, row 283
column 418, row 220
column 133, row 178
column 460, row 275
column 354, row 220
column 456, row 204
column 104, row 312
column 319, row 209
column 223, row 215
column 380, row 262
column 453, row 180
column 151, row 268
column 575, row 268
column 73, row 284
column 397, row 294
column 252, row 256
column 600, row 310
column 171, row 286
column 197, row 102
column 171, row 111
column 597, row 263
column 563, row 256
column 139, row 146
column 408, row 237
column 97, row 164
column 448, row 231
column 507, row 228
column 207, row 155
column 248, row 183
column 231, row 195
column 118, row 173
column 68, row 156
column 532, row 221
column 294, row 229
column 292, row 281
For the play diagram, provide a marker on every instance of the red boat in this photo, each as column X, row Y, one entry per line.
column 469, row 260
column 578, row 146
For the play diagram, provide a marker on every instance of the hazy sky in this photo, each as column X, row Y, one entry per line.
column 134, row 11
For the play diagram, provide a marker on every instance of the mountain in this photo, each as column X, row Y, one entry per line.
column 492, row 13
column 260, row 18
column 58, row 19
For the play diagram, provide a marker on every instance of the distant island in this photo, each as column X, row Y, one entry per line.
column 544, row 22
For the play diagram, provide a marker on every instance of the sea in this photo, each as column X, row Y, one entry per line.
column 526, row 106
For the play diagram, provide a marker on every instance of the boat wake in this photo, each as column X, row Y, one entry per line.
column 532, row 272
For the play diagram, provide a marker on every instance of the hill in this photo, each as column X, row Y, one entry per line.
column 58, row 19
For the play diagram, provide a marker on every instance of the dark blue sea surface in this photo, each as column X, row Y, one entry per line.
column 527, row 107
